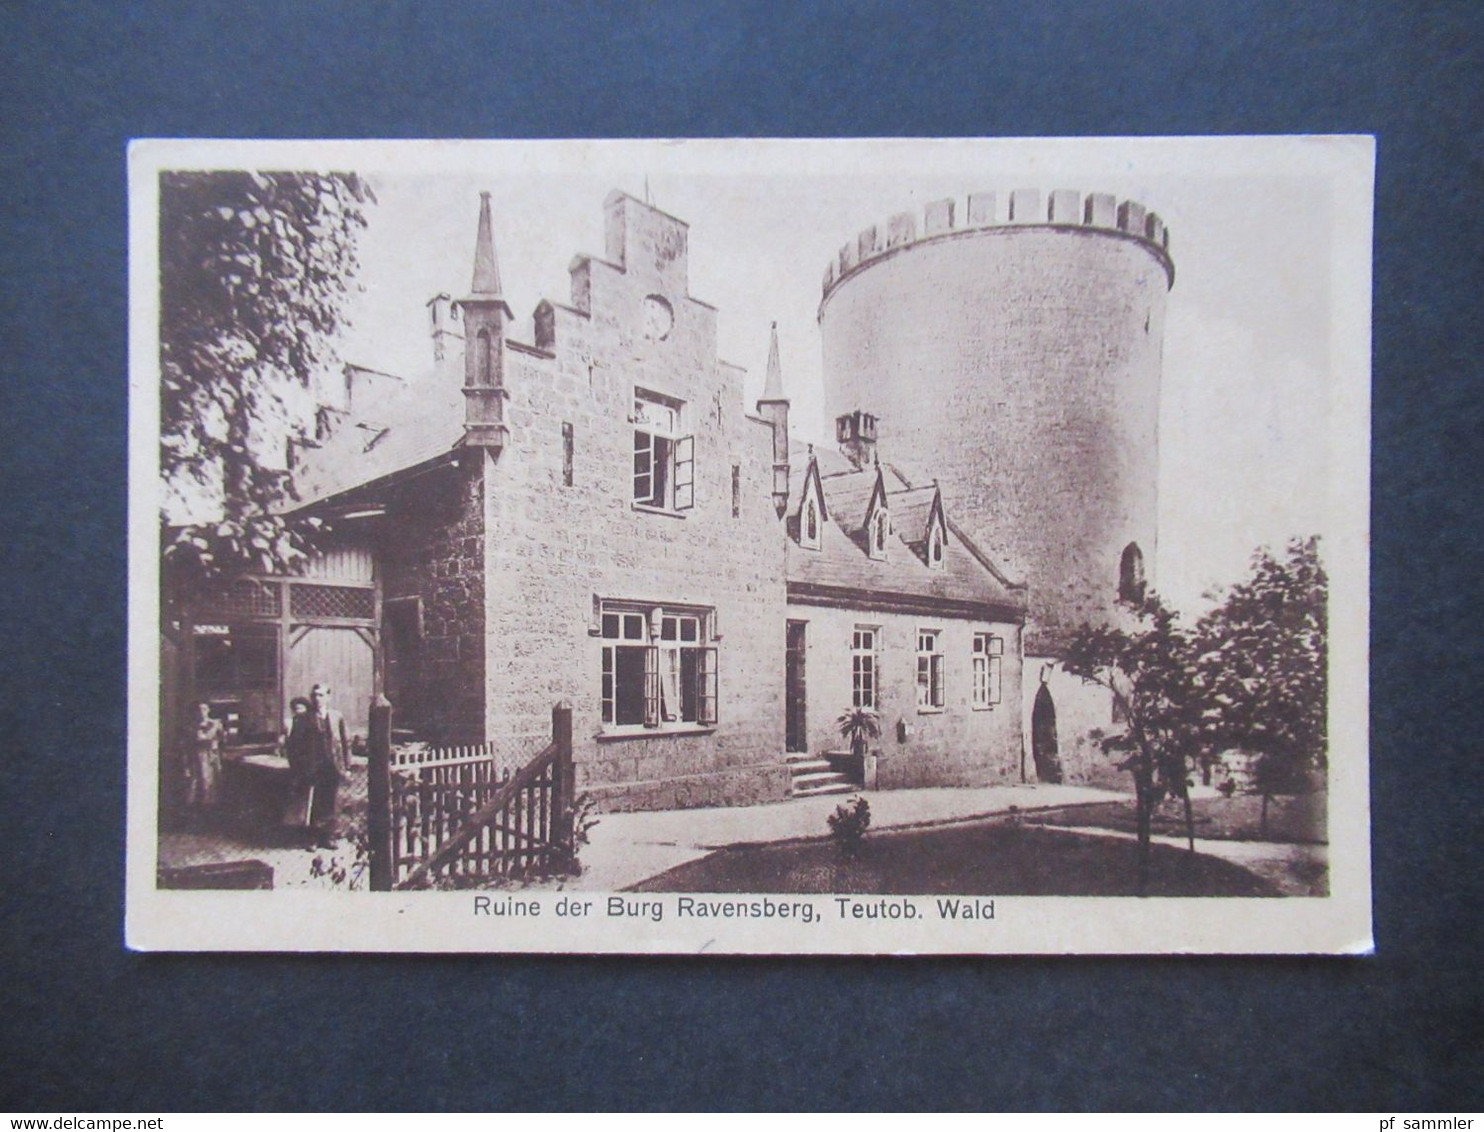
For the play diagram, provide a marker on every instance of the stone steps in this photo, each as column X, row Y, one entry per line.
column 809, row 776
column 841, row 787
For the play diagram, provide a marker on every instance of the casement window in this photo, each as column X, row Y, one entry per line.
column 930, row 695
column 664, row 460
column 988, row 658
column 658, row 668
column 935, row 549
column 863, row 667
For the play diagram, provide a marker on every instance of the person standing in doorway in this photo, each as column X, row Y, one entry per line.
column 204, row 764
column 328, row 758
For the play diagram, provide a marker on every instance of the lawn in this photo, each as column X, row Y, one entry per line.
column 1298, row 820
column 988, row 858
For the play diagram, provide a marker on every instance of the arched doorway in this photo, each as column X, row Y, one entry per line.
column 1043, row 737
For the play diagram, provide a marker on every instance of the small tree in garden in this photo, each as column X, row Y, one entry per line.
column 848, row 825
column 858, row 727
column 1262, row 661
column 1151, row 674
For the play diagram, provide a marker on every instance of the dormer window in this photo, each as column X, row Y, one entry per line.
column 664, row 460
column 811, row 515
column 936, row 540
column 878, row 519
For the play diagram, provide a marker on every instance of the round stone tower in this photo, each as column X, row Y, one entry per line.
column 1015, row 354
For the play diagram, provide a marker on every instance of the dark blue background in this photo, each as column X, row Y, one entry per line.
column 89, row 1026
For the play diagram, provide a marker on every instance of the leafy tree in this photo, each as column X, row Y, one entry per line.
column 255, row 269
column 1262, row 661
column 1151, row 674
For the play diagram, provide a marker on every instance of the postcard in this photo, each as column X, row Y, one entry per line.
column 750, row 546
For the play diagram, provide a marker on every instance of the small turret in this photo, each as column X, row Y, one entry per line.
column 485, row 314
column 773, row 407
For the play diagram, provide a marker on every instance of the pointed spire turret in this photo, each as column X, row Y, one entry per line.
column 485, row 315
column 773, row 406
column 773, row 387
column 486, row 266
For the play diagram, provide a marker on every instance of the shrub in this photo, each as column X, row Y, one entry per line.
column 848, row 824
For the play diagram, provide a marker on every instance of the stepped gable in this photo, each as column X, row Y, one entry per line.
column 842, row 564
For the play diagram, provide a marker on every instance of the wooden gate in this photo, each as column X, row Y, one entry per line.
column 464, row 815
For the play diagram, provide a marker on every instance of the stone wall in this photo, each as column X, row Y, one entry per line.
column 554, row 550
column 1080, row 709
column 433, row 551
column 955, row 746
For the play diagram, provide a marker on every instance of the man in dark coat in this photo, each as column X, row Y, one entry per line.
column 323, row 749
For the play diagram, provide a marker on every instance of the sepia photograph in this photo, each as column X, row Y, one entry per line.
column 748, row 546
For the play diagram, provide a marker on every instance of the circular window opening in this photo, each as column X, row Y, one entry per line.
column 659, row 317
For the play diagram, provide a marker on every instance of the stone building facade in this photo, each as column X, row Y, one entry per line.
column 1019, row 341
column 594, row 524
column 593, row 517
column 893, row 609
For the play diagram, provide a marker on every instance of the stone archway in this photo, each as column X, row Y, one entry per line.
column 1043, row 737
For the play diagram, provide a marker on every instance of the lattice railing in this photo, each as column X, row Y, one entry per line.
column 242, row 597
column 347, row 602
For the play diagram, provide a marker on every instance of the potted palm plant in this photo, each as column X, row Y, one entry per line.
column 858, row 727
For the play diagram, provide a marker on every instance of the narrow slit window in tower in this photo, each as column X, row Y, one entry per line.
column 1131, row 575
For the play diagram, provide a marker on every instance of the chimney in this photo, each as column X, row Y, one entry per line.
column 773, row 407
column 856, row 434
column 441, row 315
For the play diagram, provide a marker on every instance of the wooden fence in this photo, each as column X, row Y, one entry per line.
column 467, row 814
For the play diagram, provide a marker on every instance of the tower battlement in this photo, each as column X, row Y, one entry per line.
column 1068, row 209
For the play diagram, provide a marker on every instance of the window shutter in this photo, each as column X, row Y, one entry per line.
column 651, row 686
column 685, row 473
column 994, row 679
column 707, row 675
column 643, row 467
column 609, row 690
column 937, row 679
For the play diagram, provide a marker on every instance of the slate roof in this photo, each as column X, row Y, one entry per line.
column 391, row 427
column 842, row 564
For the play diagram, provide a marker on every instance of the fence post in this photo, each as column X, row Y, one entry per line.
column 379, row 795
column 564, row 777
